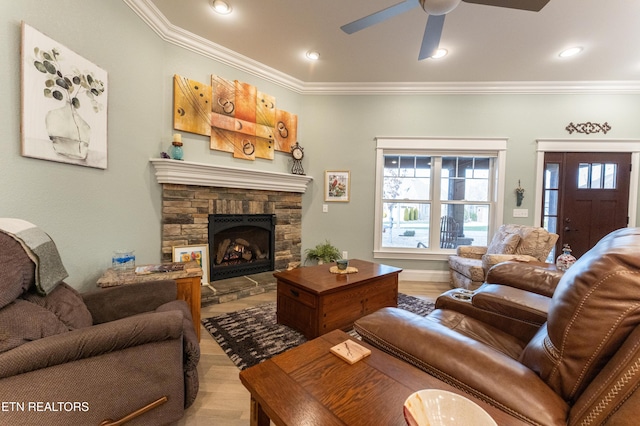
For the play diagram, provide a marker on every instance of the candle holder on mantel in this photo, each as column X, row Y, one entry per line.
column 176, row 147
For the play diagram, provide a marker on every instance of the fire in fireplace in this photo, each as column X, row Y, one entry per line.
column 241, row 244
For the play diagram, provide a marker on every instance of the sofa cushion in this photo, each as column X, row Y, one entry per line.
column 22, row 322
column 67, row 305
column 17, row 271
column 503, row 243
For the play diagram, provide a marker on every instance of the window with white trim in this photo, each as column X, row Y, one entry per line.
column 433, row 195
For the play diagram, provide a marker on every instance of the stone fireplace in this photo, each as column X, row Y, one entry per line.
column 191, row 192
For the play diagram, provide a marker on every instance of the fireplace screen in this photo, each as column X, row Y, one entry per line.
column 241, row 244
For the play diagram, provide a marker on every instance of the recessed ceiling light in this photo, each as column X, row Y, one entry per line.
column 313, row 55
column 221, row 7
column 570, row 52
column 440, row 53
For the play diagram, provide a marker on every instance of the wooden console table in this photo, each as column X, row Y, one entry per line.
column 188, row 282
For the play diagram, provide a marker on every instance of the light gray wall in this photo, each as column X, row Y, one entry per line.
column 91, row 212
column 342, row 129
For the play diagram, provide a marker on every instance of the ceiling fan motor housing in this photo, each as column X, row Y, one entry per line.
column 439, row 7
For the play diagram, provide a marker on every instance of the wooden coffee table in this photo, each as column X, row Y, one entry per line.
column 308, row 385
column 316, row 301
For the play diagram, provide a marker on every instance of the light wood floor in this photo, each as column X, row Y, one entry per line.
column 222, row 399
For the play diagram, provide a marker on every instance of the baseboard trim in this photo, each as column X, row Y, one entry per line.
column 424, row 275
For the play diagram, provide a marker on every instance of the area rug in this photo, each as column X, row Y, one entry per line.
column 251, row 335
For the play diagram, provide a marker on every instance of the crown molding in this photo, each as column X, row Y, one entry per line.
column 488, row 87
column 170, row 33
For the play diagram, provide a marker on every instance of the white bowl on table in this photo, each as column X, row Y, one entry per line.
column 434, row 407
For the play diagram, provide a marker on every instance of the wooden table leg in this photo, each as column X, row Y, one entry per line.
column 258, row 416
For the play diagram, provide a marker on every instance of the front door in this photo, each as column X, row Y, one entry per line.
column 586, row 196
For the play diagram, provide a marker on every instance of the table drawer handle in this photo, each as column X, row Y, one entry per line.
column 295, row 293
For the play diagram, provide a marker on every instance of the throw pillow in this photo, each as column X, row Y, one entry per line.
column 22, row 322
column 503, row 243
column 67, row 305
column 536, row 242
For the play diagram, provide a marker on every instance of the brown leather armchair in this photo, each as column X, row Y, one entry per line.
column 582, row 367
column 126, row 352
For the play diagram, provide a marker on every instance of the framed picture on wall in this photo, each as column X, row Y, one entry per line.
column 64, row 103
column 337, row 185
column 194, row 253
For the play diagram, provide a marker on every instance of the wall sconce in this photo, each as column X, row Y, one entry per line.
column 519, row 194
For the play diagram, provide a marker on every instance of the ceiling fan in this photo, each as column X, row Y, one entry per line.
column 437, row 10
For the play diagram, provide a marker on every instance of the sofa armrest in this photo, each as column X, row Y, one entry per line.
column 530, row 277
column 513, row 302
column 91, row 342
column 464, row 363
column 471, row 252
column 112, row 303
column 514, row 311
column 90, row 390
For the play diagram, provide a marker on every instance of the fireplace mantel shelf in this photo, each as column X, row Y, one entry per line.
column 201, row 174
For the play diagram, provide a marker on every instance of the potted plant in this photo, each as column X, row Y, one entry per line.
column 323, row 253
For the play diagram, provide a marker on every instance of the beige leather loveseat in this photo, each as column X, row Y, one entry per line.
column 581, row 367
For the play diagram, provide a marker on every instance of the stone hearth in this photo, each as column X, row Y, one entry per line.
column 192, row 191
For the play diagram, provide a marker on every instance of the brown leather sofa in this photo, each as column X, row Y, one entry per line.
column 581, row 367
column 67, row 358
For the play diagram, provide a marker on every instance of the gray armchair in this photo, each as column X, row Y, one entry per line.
column 124, row 352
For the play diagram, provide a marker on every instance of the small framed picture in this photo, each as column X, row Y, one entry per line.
column 337, row 185
column 196, row 253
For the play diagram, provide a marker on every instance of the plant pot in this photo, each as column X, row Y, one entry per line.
column 68, row 132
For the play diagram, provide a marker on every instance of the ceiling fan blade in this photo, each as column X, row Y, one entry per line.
column 431, row 39
column 532, row 5
column 380, row 16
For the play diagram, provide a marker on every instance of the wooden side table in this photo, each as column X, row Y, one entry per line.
column 188, row 282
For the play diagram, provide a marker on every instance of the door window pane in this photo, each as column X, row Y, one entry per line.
column 583, row 176
column 597, row 175
column 551, row 202
column 552, row 176
column 610, row 171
